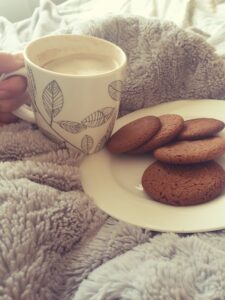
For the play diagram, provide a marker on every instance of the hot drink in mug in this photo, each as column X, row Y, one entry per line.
column 82, row 64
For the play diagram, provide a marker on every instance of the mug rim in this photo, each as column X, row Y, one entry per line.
column 120, row 66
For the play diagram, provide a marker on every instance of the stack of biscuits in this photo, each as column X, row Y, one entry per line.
column 185, row 171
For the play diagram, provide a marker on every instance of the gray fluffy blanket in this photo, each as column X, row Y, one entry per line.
column 54, row 242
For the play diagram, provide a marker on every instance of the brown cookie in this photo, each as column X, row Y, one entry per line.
column 171, row 126
column 190, row 152
column 133, row 134
column 183, row 185
column 200, row 128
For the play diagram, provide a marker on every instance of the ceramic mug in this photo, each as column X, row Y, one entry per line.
column 75, row 84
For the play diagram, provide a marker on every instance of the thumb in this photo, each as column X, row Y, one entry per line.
column 10, row 62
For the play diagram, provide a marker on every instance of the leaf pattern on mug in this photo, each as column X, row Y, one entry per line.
column 115, row 89
column 98, row 117
column 68, row 146
column 31, row 81
column 32, row 87
column 87, row 143
column 72, row 127
column 34, row 107
column 52, row 137
column 52, row 99
column 108, row 133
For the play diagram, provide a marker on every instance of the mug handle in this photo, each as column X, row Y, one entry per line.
column 24, row 112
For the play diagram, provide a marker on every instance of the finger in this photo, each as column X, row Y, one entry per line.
column 6, row 118
column 10, row 62
column 8, row 105
column 12, row 86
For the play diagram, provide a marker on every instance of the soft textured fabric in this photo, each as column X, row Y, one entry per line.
column 164, row 62
column 52, row 236
column 166, row 267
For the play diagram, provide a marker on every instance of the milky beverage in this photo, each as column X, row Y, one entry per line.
column 82, row 64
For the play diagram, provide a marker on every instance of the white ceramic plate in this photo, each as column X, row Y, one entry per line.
column 114, row 181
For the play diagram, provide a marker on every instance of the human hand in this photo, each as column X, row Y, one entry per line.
column 12, row 90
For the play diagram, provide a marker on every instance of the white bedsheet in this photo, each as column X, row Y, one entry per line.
column 206, row 17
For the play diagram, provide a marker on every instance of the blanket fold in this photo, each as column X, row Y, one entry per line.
column 164, row 62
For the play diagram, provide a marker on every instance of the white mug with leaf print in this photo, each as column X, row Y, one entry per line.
column 75, row 84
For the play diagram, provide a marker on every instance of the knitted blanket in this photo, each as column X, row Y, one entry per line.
column 54, row 242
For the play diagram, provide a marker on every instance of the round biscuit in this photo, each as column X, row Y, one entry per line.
column 133, row 134
column 190, row 152
column 171, row 125
column 200, row 128
column 183, row 185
